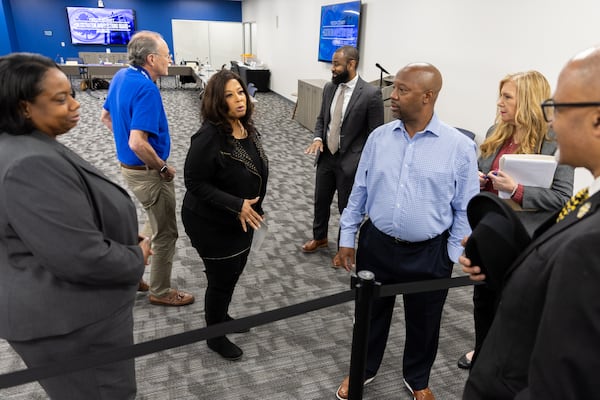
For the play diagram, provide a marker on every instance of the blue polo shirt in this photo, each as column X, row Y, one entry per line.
column 134, row 102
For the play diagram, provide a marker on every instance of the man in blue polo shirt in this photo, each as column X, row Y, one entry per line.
column 134, row 112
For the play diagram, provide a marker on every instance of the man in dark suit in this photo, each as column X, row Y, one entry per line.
column 543, row 343
column 340, row 137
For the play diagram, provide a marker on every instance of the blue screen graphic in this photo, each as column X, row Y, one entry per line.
column 107, row 26
column 339, row 27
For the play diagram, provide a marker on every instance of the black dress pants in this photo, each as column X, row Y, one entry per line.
column 330, row 177
column 393, row 262
column 222, row 276
column 485, row 302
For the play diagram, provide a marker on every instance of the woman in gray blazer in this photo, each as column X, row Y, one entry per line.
column 70, row 256
column 520, row 128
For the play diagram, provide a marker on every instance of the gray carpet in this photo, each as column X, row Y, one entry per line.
column 305, row 357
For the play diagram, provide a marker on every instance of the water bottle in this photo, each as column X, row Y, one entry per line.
column 62, row 60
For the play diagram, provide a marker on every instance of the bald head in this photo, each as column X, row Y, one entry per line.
column 416, row 88
column 582, row 73
column 576, row 118
column 425, row 76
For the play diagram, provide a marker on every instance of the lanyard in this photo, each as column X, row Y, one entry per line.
column 141, row 71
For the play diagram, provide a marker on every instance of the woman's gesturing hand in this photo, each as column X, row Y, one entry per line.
column 249, row 217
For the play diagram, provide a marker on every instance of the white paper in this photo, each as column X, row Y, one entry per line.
column 259, row 236
column 528, row 170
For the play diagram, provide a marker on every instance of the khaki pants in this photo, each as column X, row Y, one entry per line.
column 158, row 199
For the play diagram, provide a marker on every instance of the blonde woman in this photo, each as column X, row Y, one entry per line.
column 520, row 128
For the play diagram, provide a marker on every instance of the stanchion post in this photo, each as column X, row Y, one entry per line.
column 365, row 292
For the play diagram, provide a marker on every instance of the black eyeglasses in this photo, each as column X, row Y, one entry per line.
column 549, row 106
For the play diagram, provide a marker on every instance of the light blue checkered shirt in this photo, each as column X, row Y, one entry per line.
column 414, row 189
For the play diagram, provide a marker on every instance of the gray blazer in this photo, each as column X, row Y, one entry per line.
column 544, row 201
column 68, row 240
column 363, row 114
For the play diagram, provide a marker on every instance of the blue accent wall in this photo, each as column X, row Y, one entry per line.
column 7, row 29
column 31, row 18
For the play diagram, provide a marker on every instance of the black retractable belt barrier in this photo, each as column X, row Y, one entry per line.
column 426, row 286
column 169, row 342
column 365, row 293
column 141, row 349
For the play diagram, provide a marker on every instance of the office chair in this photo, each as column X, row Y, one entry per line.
column 467, row 133
column 251, row 89
column 183, row 79
column 73, row 61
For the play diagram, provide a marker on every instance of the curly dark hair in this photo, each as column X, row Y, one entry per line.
column 21, row 75
column 214, row 106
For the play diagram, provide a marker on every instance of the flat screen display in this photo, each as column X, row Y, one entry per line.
column 104, row 26
column 339, row 27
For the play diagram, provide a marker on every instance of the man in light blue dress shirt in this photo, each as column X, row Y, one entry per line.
column 415, row 178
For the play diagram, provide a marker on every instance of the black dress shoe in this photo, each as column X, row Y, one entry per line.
column 464, row 362
column 230, row 318
column 225, row 348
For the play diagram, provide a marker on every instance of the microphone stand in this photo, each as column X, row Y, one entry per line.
column 381, row 71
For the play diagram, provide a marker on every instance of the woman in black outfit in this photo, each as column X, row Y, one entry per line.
column 226, row 177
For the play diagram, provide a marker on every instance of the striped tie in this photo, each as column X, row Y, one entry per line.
column 573, row 203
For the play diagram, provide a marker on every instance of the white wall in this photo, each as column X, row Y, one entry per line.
column 474, row 43
column 211, row 42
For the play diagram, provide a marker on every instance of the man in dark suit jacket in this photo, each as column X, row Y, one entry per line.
column 362, row 111
column 543, row 343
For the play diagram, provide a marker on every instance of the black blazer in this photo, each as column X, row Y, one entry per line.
column 219, row 174
column 543, row 343
column 364, row 113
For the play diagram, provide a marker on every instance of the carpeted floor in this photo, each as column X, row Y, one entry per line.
column 305, row 357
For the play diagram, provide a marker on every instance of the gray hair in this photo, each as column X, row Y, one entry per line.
column 141, row 45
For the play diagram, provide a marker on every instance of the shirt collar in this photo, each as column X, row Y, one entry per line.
column 433, row 127
column 594, row 187
column 352, row 82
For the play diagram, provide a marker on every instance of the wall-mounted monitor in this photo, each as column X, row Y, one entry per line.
column 104, row 26
column 339, row 27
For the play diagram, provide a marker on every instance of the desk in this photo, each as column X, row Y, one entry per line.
column 72, row 70
column 104, row 70
column 89, row 71
column 386, row 92
column 92, row 57
column 258, row 76
column 308, row 105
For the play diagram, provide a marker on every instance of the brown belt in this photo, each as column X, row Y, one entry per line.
column 136, row 167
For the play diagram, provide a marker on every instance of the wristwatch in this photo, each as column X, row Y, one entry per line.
column 164, row 169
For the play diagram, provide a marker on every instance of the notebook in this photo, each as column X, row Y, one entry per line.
column 528, row 170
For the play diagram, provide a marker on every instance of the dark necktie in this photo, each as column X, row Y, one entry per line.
column 333, row 140
column 573, row 203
